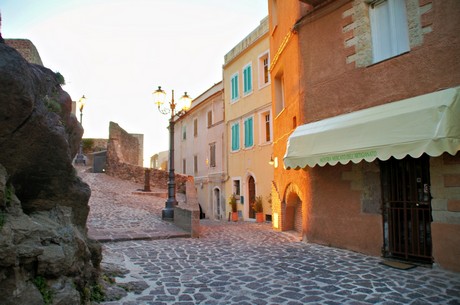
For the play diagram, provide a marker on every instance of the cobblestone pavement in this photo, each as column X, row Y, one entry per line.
column 249, row 263
column 117, row 214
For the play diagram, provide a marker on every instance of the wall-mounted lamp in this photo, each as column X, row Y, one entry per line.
column 273, row 161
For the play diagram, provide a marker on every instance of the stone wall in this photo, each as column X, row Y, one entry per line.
column 122, row 147
column 187, row 215
column 130, row 172
column 445, row 190
column 27, row 49
column 96, row 145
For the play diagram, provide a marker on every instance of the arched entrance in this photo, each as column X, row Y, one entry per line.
column 251, row 196
column 291, row 209
column 216, row 200
column 293, row 213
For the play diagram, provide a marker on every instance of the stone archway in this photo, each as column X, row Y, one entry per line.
column 292, row 209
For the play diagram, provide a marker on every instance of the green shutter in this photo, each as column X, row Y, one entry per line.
column 247, row 79
column 251, row 132
column 235, row 137
column 235, row 87
column 245, row 133
column 248, row 133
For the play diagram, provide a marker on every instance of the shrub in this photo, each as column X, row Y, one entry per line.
column 257, row 206
column 42, row 286
column 232, row 202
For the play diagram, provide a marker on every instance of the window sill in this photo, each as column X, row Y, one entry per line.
column 386, row 59
column 245, row 94
column 261, row 86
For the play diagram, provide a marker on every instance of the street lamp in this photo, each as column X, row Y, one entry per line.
column 80, row 158
column 176, row 110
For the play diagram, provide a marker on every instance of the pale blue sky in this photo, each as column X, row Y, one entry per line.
column 117, row 52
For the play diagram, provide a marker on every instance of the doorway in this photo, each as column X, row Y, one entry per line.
column 407, row 208
column 217, row 203
column 251, row 196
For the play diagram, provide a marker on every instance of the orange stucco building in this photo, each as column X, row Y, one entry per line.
column 366, row 105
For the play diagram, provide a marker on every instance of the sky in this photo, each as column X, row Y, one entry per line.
column 117, row 52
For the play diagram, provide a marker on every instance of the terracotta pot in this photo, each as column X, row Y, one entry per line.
column 260, row 217
column 234, row 216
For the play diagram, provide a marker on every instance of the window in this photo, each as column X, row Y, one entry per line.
column 279, row 94
column 390, row 33
column 236, row 187
column 247, row 79
column 184, row 132
column 195, row 164
column 248, row 132
column 235, row 136
column 209, row 118
column 184, row 166
column 265, row 127
column 234, row 85
column 264, row 65
column 212, row 154
column 195, row 128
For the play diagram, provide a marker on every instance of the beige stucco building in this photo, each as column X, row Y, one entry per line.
column 248, row 121
column 199, row 149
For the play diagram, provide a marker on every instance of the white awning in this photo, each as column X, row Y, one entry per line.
column 427, row 123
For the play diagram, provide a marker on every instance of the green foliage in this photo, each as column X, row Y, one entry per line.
column 60, row 78
column 8, row 194
column 97, row 293
column 45, row 291
column 52, row 104
column 87, row 145
column 108, row 279
column 232, row 202
column 257, row 206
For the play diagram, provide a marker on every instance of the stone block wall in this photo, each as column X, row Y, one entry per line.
column 364, row 177
column 134, row 173
column 445, row 188
column 27, row 49
column 356, row 28
column 445, row 228
column 187, row 215
column 122, row 147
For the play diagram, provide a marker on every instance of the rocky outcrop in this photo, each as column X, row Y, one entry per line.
column 45, row 254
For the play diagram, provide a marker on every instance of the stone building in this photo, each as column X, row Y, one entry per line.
column 248, row 119
column 124, row 147
column 199, row 149
column 366, row 105
column 160, row 160
column 27, row 49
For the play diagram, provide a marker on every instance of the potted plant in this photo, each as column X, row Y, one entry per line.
column 258, row 208
column 234, row 207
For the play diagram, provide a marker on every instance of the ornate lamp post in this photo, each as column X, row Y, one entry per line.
column 165, row 108
column 80, row 158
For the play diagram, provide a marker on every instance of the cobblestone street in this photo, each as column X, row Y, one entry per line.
column 241, row 263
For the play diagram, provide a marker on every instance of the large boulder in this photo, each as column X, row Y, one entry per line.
column 45, row 254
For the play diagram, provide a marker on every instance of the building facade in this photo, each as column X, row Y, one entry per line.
column 248, row 119
column 199, row 149
column 366, row 104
